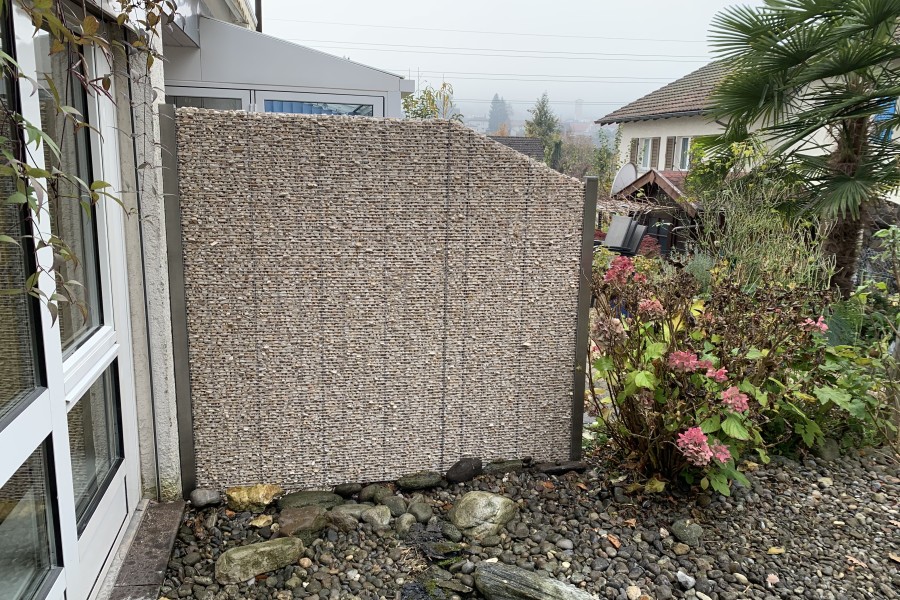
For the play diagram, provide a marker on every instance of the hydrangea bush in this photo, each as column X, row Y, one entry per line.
column 697, row 379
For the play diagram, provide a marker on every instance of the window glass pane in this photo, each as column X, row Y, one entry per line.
column 319, row 108
column 72, row 216
column 18, row 367
column 95, row 443
column 26, row 543
column 202, row 102
column 645, row 153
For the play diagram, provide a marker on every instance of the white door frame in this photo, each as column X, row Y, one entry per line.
column 83, row 557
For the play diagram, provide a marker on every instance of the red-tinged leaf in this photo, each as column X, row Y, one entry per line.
column 614, row 541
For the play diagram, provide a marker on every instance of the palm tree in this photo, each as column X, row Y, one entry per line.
column 819, row 80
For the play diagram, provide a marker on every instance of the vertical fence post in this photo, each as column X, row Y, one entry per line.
column 177, row 302
column 583, row 316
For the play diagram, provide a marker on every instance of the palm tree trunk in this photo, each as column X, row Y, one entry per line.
column 844, row 243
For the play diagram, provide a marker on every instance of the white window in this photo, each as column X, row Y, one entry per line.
column 644, row 152
column 683, row 153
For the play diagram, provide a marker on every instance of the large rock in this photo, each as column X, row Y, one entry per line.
column 561, row 468
column 347, row 489
column 688, row 532
column 479, row 514
column 355, row 510
column 254, row 498
column 419, row 481
column 829, row 450
column 465, row 469
column 500, row 467
column 497, row 581
column 310, row 498
column 374, row 493
column 379, row 517
column 303, row 523
column 245, row 562
column 203, row 497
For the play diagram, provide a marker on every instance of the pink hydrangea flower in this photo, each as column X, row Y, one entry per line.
column 717, row 375
column 720, row 452
column 704, row 364
column 683, row 361
column 735, row 400
column 694, row 445
column 819, row 325
column 651, row 308
column 640, row 278
column 619, row 270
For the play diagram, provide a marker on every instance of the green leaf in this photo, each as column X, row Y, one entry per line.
column 733, row 428
column 604, row 364
column 827, row 394
column 711, row 424
column 99, row 185
column 719, row 483
column 8, row 240
column 655, row 350
column 645, row 379
column 704, row 483
column 17, row 198
column 755, row 354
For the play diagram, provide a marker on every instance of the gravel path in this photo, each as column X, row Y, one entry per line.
column 810, row 530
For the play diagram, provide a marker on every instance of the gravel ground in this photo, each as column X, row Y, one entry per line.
column 811, row 530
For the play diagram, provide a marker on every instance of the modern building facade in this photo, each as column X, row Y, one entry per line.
column 231, row 67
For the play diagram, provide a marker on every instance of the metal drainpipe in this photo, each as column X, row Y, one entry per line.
column 259, row 15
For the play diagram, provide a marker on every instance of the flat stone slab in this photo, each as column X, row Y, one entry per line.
column 135, row 592
column 145, row 564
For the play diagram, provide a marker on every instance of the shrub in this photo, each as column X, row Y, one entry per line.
column 696, row 379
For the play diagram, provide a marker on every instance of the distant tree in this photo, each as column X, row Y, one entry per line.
column 544, row 124
column 499, row 115
column 502, row 130
column 431, row 103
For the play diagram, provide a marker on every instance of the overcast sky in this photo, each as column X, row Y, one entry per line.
column 603, row 52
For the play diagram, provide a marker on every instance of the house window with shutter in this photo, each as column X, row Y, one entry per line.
column 645, row 152
column 683, row 153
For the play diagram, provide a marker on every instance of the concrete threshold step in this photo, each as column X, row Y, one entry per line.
column 144, row 567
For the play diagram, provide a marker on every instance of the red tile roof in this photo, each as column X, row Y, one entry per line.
column 683, row 97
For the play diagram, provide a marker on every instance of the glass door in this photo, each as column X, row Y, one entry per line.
column 68, row 452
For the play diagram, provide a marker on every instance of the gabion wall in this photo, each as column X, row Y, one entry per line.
column 371, row 297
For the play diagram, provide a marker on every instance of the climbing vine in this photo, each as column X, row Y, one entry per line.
column 30, row 188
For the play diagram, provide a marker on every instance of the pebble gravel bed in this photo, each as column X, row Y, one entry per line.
column 811, row 529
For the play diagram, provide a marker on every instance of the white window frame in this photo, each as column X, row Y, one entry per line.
column 260, row 97
column 84, row 558
column 682, row 160
column 208, row 92
column 645, row 153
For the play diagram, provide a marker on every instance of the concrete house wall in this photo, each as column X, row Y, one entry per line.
column 663, row 128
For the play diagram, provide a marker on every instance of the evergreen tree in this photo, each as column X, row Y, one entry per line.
column 544, row 124
column 499, row 115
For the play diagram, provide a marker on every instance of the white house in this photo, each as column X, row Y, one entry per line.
column 657, row 129
column 227, row 65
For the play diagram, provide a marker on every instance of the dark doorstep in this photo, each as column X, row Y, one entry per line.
column 144, row 567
